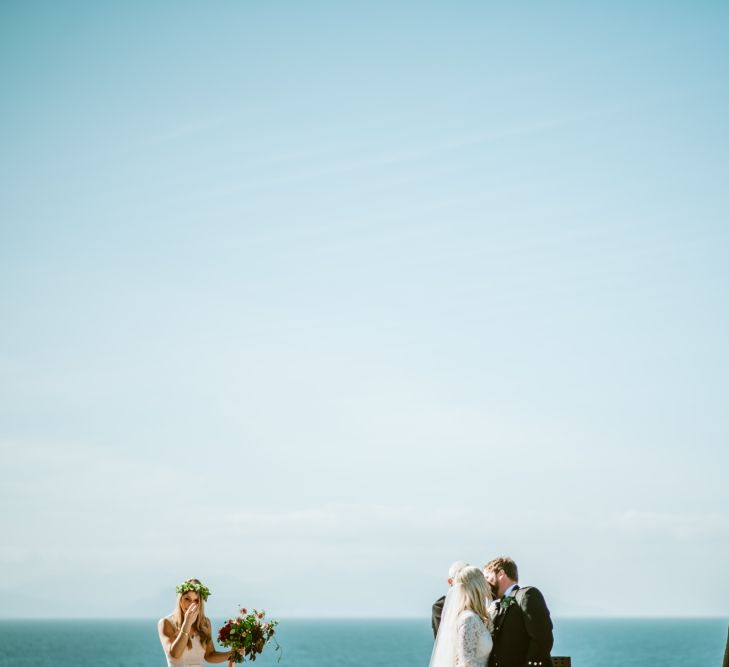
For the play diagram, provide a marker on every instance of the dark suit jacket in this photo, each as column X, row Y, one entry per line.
column 523, row 632
column 437, row 613
column 726, row 652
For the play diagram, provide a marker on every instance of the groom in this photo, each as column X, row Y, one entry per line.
column 522, row 627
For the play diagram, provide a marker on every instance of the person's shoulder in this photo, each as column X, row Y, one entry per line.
column 529, row 594
column 165, row 623
column 468, row 617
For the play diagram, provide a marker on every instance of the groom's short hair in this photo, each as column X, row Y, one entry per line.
column 503, row 563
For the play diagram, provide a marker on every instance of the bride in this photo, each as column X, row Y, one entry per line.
column 464, row 636
column 186, row 634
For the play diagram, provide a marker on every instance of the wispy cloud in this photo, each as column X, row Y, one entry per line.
column 405, row 155
column 186, row 129
column 345, row 523
column 679, row 526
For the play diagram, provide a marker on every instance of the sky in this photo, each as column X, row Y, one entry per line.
column 310, row 300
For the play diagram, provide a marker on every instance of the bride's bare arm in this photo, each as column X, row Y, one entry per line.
column 174, row 644
column 211, row 655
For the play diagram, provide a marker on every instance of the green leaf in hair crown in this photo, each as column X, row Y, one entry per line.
column 196, row 586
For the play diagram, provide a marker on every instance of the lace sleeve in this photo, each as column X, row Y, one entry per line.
column 470, row 629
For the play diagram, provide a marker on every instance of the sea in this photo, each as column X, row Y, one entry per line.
column 363, row 643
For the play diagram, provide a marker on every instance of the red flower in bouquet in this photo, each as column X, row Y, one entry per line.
column 248, row 634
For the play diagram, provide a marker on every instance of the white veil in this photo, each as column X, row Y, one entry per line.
column 444, row 650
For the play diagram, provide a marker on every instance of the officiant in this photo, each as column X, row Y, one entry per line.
column 437, row 612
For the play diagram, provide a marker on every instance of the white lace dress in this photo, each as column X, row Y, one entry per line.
column 191, row 657
column 474, row 642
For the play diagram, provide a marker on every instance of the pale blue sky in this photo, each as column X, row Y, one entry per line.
column 311, row 299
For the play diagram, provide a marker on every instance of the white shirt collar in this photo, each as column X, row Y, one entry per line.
column 509, row 591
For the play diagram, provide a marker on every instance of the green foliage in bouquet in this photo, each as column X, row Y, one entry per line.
column 248, row 634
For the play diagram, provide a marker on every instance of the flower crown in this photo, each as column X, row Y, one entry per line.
column 196, row 586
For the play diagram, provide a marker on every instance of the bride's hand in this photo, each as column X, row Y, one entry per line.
column 232, row 654
column 191, row 615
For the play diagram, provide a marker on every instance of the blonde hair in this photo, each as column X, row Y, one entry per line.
column 202, row 623
column 476, row 593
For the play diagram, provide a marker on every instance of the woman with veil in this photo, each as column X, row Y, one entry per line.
column 464, row 635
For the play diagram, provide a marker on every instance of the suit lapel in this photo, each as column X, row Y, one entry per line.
column 498, row 619
column 501, row 614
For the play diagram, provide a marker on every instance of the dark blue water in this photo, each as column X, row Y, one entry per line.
column 363, row 643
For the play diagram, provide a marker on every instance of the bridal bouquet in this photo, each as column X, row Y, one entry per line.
column 247, row 634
